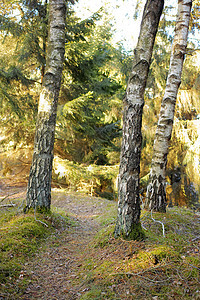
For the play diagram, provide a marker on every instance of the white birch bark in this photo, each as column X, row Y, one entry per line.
column 128, row 220
column 39, row 186
column 156, row 195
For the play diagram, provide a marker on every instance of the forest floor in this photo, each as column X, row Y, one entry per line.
column 84, row 261
column 56, row 272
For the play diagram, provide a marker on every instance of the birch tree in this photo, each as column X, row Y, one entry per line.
column 156, row 195
column 39, row 185
column 128, row 220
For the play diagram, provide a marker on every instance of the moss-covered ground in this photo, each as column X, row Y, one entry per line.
column 81, row 259
column 156, row 268
column 21, row 237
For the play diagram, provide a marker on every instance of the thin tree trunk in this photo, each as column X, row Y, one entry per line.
column 39, row 186
column 156, row 195
column 128, row 220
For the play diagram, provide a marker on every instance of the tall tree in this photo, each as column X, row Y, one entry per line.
column 128, row 221
column 88, row 120
column 39, row 185
column 156, row 195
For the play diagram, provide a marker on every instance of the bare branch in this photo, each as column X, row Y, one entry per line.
column 8, row 205
column 8, row 196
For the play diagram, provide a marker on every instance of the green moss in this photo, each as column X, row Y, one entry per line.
column 39, row 209
column 164, row 252
column 136, row 233
column 21, row 236
column 98, row 294
column 105, row 267
column 193, row 264
column 103, row 236
column 156, row 255
column 6, row 217
column 95, row 293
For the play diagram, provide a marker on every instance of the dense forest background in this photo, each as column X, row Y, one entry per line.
column 89, row 120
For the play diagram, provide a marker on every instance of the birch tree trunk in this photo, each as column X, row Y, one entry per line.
column 128, row 220
column 39, row 185
column 156, row 195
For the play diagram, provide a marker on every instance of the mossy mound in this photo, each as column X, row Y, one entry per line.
column 21, row 237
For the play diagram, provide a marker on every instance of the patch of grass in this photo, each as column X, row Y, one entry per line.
column 20, row 237
column 6, row 216
column 103, row 237
column 98, row 294
column 60, row 219
column 94, row 293
column 164, row 267
column 143, row 259
column 110, row 214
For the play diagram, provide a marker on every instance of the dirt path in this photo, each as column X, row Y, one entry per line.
column 54, row 274
column 72, row 264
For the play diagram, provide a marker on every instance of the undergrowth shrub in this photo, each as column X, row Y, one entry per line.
column 93, row 179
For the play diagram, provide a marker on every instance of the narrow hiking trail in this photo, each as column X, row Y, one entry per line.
column 82, row 260
column 54, row 272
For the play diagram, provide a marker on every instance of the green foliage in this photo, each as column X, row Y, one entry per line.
column 18, row 102
column 9, row 25
column 95, row 74
column 88, row 123
column 88, row 126
column 13, row 74
column 84, row 122
column 183, row 168
column 92, row 179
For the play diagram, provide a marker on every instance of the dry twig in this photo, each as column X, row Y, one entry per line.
column 8, row 196
column 8, row 205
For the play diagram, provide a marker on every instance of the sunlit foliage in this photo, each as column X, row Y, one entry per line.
column 94, row 80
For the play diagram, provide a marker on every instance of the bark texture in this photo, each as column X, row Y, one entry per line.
column 39, row 185
column 128, row 221
column 156, row 195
